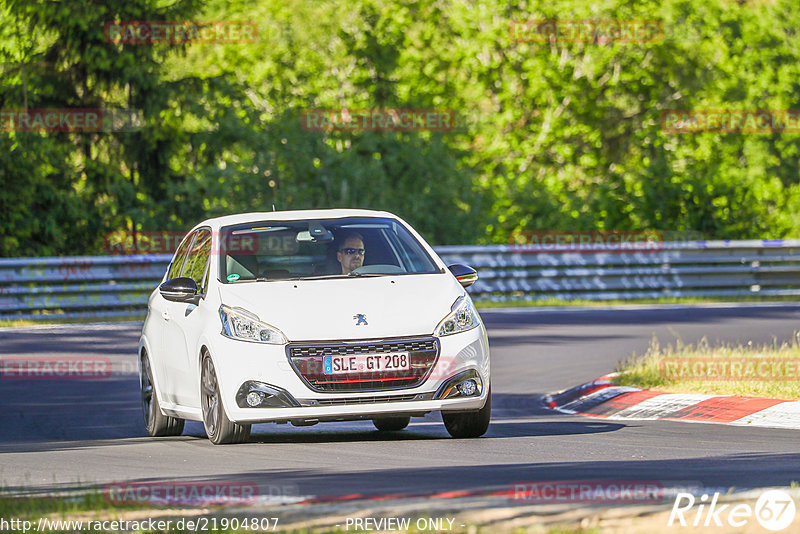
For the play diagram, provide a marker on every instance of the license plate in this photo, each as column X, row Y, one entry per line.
column 366, row 363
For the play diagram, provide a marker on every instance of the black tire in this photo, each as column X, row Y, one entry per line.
column 219, row 428
column 391, row 424
column 156, row 423
column 469, row 424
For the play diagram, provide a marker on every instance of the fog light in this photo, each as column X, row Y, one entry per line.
column 465, row 384
column 468, row 388
column 253, row 394
column 254, row 398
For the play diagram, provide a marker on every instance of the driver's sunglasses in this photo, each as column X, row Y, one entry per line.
column 351, row 251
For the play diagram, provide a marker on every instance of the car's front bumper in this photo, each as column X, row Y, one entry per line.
column 237, row 362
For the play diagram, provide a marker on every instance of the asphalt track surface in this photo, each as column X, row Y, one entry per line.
column 68, row 433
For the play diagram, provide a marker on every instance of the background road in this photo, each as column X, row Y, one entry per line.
column 60, row 434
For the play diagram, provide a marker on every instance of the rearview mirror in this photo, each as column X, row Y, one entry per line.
column 182, row 289
column 316, row 233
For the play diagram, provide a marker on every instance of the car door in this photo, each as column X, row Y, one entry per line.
column 163, row 343
column 183, row 325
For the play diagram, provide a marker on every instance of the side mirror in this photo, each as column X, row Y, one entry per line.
column 465, row 274
column 181, row 289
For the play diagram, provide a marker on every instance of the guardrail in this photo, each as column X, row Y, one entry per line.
column 109, row 286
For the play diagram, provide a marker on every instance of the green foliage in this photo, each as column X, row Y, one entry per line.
column 563, row 135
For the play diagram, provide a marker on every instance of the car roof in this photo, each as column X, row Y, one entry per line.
column 291, row 215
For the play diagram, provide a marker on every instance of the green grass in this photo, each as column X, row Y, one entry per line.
column 26, row 507
column 718, row 369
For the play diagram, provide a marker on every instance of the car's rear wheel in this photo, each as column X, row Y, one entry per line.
column 391, row 424
column 219, row 428
column 469, row 424
column 156, row 423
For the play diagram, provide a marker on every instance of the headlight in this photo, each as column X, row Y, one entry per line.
column 463, row 317
column 238, row 323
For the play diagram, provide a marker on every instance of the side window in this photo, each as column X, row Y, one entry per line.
column 197, row 259
column 180, row 255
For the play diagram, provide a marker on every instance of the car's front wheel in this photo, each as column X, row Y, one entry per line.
column 156, row 423
column 469, row 424
column 219, row 428
column 391, row 424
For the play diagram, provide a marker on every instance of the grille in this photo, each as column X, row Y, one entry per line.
column 307, row 360
column 365, row 400
column 393, row 346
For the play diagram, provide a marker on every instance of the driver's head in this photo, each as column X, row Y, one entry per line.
column 351, row 253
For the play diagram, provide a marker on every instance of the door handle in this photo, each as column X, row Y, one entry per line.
column 165, row 315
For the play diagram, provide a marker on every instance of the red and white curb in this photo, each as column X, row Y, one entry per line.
column 601, row 398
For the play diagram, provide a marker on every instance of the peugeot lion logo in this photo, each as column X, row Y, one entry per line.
column 360, row 318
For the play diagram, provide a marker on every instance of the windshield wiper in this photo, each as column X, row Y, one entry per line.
column 334, row 276
column 318, row 277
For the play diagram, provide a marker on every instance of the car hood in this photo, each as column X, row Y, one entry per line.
column 310, row 310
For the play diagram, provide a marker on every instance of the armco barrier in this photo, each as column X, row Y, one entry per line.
column 106, row 286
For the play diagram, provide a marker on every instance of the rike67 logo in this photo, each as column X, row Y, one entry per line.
column 774, row 510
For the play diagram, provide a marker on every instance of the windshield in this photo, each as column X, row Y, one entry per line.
column 322, row 248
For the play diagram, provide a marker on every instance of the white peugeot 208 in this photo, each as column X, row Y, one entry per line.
column 311, row 316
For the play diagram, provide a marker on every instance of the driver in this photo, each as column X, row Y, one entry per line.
column 351, row 253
